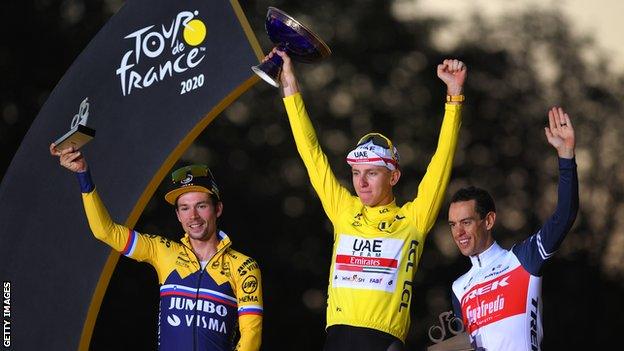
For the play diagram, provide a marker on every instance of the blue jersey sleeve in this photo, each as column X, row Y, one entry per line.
column 85, row 181
column 536, row 249
column 456, row 307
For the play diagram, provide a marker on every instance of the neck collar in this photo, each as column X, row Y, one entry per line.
column 224, row 241
column 380, row 210
column 486, row 257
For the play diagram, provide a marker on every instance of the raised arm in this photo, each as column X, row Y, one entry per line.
column 70, row 158
column 432, row 188
column 560, row 132
column 329, row 190
column 288, row 80
column 536, row 249
column 453, row 73
column 122, row 239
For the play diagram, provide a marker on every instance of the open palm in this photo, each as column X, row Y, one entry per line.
column 560, row 132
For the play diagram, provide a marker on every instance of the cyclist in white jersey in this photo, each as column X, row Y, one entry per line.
column 499, row 298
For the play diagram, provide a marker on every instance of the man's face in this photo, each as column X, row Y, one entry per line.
column 373, row 184
column 198, row 215
column 471, row 233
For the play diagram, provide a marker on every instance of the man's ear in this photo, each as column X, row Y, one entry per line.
column 490, row 219
column 177, row 213
column 219, row 208
column 394, row 177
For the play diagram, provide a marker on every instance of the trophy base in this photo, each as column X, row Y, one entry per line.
column 77, row 137
column 460, row 342
column 269, row 72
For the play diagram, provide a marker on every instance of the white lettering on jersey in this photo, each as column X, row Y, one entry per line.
column 362, row 263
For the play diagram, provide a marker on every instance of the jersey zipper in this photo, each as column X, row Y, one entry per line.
column 201, row 273
column 478, row 337
column 199, row 279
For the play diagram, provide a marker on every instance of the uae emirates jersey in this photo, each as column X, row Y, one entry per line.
column 376, row 249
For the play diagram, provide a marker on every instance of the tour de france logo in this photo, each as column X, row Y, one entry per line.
column 194, row 32
column 163, row 51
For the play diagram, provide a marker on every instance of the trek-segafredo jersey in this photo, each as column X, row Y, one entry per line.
column 499, row 298
column 376, row 249
column 200, row 309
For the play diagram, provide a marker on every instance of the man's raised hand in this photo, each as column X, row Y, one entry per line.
column 453, row 73
column 69, row 158
column 560, row 132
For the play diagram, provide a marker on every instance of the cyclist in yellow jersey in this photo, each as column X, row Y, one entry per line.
column 377, row 244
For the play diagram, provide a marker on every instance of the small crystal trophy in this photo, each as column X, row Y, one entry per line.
column 460, row 341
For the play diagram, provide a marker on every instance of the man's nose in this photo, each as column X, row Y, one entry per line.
column 363, row 182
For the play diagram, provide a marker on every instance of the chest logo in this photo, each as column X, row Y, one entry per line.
column 495, row 299
column 366, row 263
column 250, row 284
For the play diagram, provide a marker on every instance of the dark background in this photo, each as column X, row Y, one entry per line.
column 381, row 76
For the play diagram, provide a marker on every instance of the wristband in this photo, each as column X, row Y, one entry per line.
column 455, row 98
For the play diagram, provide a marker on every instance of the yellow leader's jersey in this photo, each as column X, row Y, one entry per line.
column 199, row 308
column 376, row 249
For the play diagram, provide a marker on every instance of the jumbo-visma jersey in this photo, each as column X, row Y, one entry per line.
column 200, row 309
column 376, row 249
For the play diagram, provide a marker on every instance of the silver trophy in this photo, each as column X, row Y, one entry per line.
column 78, row 134
column 460, row 341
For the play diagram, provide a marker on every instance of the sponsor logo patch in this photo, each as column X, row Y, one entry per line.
column 250, row 284
column 366, row 263
column 495, row 299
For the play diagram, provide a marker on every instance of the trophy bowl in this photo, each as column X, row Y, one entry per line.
column 299, row 42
